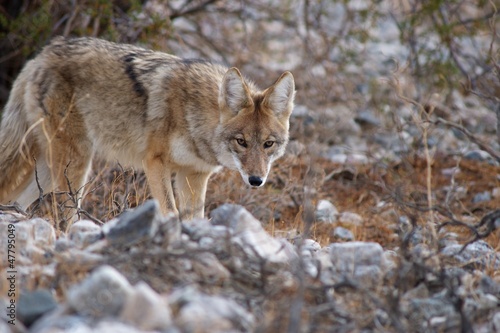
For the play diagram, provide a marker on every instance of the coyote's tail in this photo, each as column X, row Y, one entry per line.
column 17, row 145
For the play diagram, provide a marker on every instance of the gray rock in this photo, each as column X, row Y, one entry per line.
column 249, row 246
column 37, row 232
column 339, row 158
column 435, row 314
column 146, row 310
column 342, row 233
column 33, row 239
column 478, row 306
column 481, row 197
column 310, row 245
column 61, row 321
column 197, row 312
column 488, row 286
column 84, row 233
column 477, row 255
column 235, row 217
column 477, row 155
column 248, row 232
column 326, row 212
column 496, row 322
column 63, row 244
column 356, row 159
column 135, row 226
column 108, row 326
column 367, row 118
column 34, row 304
column 359, row 262
column 78, row 324
column 308, row 250
column 209, row 269
column 100, row 295
column 43, row 233
column 5, row 328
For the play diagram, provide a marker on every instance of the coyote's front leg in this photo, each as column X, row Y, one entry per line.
column 191, row 189
column 159, row 178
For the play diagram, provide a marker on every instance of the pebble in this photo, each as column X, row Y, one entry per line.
column 34, row 304
column 326, row 212
column 342, row 233
column 481, row 197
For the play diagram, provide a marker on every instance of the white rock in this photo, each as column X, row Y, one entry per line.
column 339, row 158
column 201, row 313
column 477, row 254
column 248, row 235
column 147, row 310
column 360, row 262
column 326, row 212
column 84, row 232
column 496, row 322
column 356, row 159
column 42, row 231
column 311, row 245
column 102, row 294
column 209, row 269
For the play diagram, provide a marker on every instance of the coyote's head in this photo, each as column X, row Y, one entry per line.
column 253, row 125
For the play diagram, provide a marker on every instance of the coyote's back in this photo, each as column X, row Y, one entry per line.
column 170, row 116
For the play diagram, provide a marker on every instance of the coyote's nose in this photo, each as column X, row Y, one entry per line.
column 255, row 181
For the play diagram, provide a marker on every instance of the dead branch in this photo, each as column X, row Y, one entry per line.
column 470, row 136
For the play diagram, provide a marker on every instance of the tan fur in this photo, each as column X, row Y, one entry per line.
column 168, row 115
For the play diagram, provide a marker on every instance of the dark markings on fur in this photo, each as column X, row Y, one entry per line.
column 257, row 101
column 130, row 71
column 129, row 57
column 150, row 66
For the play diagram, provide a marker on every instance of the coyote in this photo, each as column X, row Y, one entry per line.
column 173, row 117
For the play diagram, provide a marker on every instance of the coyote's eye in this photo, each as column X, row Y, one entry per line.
column 268, row 144
column 241, row 142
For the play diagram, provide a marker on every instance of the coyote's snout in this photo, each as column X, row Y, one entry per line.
column 171, row 116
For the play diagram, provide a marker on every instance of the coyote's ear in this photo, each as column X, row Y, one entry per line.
column 234, row 94
column 279, row 97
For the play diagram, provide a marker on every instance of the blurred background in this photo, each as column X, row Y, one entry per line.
column 396, row 104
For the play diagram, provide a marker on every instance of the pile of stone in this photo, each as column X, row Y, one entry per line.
column 143, row 272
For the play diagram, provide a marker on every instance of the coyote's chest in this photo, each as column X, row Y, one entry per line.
column 183, row 152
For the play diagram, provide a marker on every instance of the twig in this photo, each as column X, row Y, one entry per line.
column 14, row 207
column 470, row 136
column 40, row 191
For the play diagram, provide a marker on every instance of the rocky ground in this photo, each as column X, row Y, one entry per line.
column 142, row 272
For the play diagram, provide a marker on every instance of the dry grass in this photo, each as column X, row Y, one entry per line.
column 380, row 194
